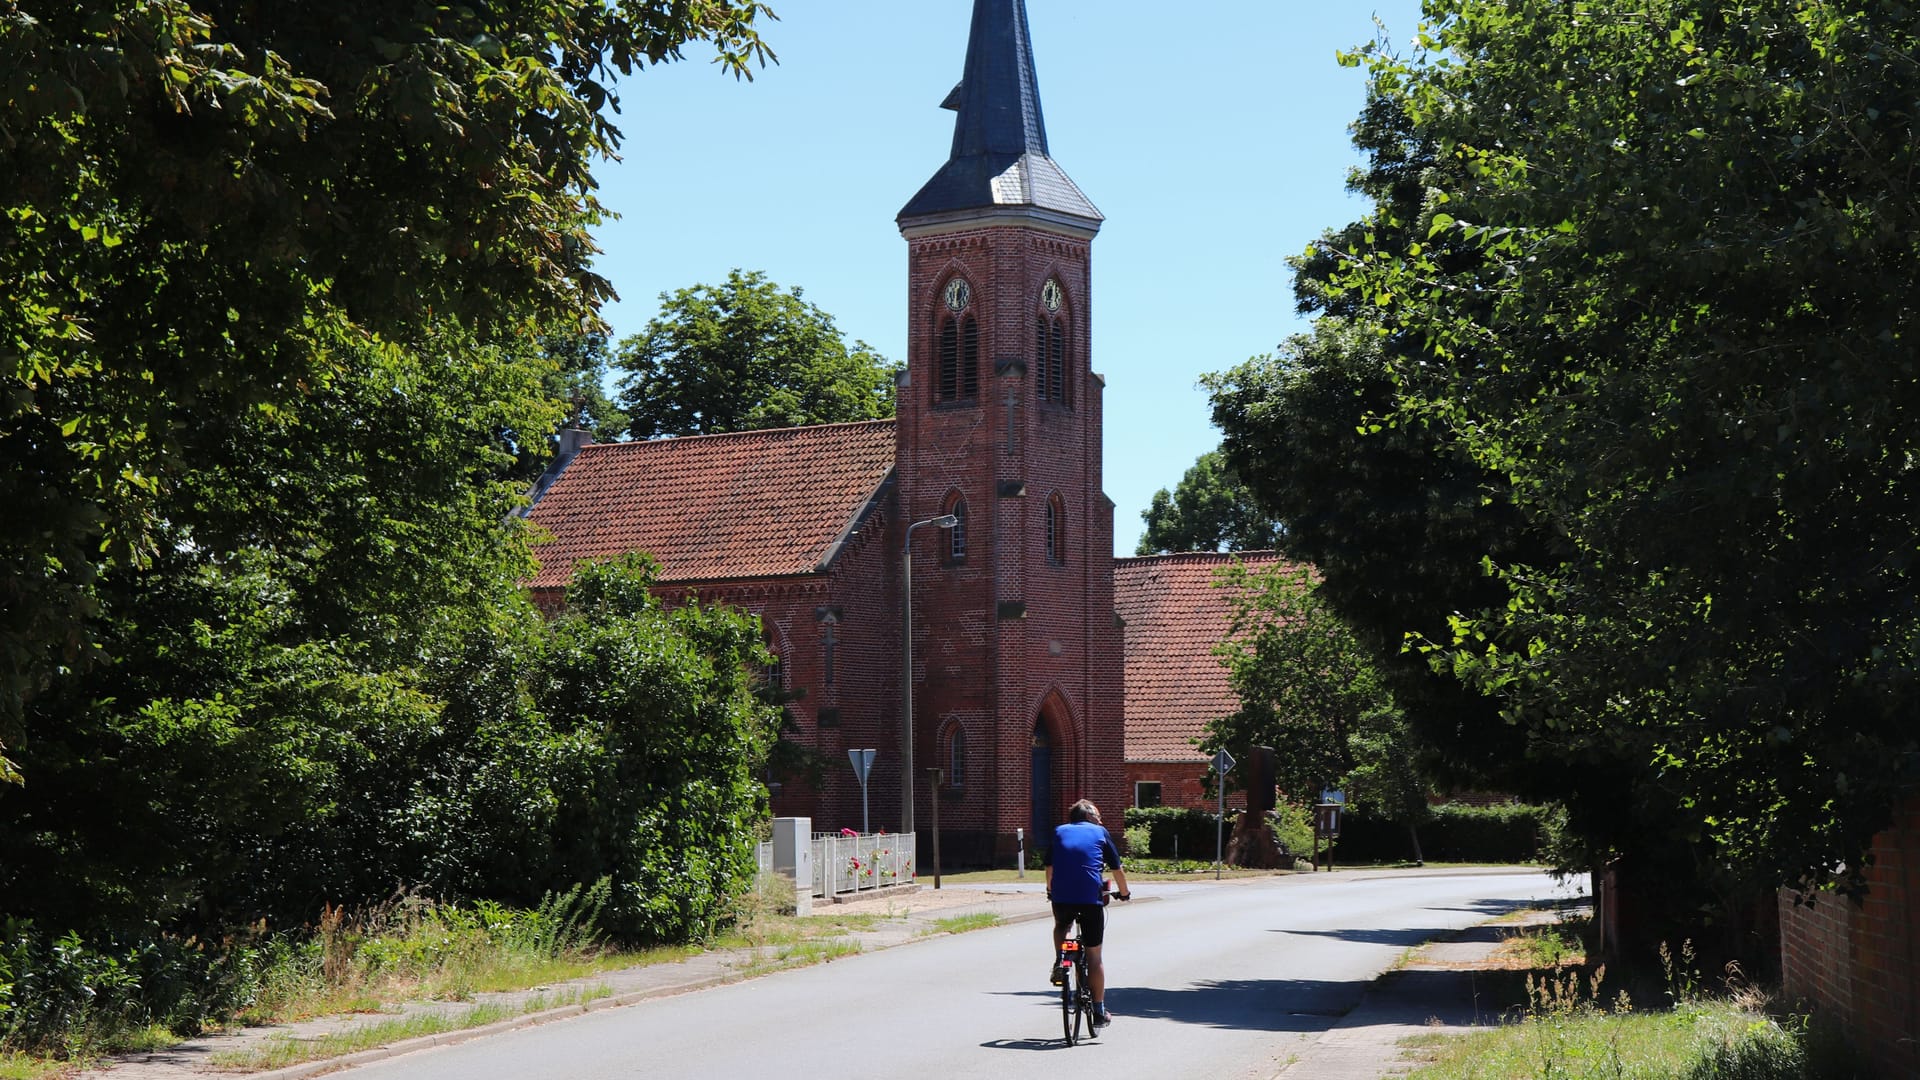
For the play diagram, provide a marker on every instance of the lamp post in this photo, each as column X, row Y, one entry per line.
column 944, row 521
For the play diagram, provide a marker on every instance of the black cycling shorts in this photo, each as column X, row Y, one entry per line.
column 1091, row 917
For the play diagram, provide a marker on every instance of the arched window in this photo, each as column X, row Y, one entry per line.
column 1050, row 346
column 957, row 536
column 1056, row 530
column 774, row 674
column 958, row 347
column 957, row 758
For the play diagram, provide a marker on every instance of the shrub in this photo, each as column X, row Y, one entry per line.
column 1761, row 1050
column 1294, row 825
column 61, row 996
column 1174, row 831
column 1506, row 833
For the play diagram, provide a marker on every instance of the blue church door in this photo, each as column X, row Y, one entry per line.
column 1041, row 797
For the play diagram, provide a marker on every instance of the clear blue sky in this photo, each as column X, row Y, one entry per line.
column 1212, row 135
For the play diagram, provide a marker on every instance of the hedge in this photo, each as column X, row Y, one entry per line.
column 1506, row 833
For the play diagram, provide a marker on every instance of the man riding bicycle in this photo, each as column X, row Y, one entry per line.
column 1082, row 850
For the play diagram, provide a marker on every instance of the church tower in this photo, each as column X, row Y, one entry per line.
column 1017, row 653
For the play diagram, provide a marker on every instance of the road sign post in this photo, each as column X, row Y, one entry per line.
column 1222, row 761
column 862, row 764
column 938, row 775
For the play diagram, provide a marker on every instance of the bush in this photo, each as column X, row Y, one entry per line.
column 1294, row 825
column 62, row 997
column 1507, row 833
column 1174, row 831
column 1762, row 1050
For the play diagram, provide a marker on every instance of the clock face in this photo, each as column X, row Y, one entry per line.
column 958, row 295
column 1050, row 295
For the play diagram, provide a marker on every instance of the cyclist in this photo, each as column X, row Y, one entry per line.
column 1075, row 864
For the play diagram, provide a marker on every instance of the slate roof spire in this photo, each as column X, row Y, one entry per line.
column 999, row 157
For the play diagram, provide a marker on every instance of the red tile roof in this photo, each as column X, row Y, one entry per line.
column 715, row 507
column 1175, row 614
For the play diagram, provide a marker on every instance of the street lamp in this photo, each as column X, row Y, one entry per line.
column 944, row 521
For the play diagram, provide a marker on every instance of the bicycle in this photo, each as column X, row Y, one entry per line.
column 1076, row 987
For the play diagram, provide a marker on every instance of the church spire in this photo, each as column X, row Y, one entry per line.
column 999, row 159
column 998, row 98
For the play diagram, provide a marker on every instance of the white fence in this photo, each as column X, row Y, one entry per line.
column 855, row 864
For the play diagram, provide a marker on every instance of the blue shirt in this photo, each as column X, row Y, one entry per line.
column 1080, row 854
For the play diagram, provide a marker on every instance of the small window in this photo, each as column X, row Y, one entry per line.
column 1057, row 531
column 957, row 536
column 1146, row 793
column 957, row 759
column 774, row 674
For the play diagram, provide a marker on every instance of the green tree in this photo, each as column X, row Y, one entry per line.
column 1397, row 523
column 1658, row 281
column 1309, row 689
column 578, row 362
column 1210, row 510
column 208, row 198
column 277, row 279
column 745, row 355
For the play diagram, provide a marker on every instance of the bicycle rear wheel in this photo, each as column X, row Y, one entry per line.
column 1069, row 1005
column 1082, row 1001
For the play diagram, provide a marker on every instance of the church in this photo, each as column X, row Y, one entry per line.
column 941, row 587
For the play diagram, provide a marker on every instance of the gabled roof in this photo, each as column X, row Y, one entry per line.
column 999, row 156
column 1175, row 614
column 716, row 507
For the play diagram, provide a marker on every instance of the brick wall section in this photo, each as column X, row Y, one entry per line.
column 1859, row 963
column 1180, row 782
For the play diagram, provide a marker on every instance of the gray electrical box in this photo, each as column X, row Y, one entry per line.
column 793, row 858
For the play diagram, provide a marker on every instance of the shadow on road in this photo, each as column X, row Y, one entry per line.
column 1406, row 939
column 1500, row 907
column 1025, row 1044
column 1290, row 1005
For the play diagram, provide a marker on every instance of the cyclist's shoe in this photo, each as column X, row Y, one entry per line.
column 1057, row 973
column 1101, row 1017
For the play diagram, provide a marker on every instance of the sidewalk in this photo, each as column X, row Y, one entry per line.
column 1448, row 985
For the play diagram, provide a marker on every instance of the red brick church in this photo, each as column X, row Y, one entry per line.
column 1019, row 662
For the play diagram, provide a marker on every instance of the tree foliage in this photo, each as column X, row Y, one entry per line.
column 1210, row 510
column 745, row 355
column 282, row 289
column 1646, row 272
column 1308, row 689
column 213, row 204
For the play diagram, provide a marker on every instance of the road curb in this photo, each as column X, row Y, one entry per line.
column 498, row 1027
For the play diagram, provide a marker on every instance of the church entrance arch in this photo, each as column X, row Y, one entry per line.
column 1053, row 784
column 1040, row 795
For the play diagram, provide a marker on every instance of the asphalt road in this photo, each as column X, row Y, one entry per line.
column 1224, row 981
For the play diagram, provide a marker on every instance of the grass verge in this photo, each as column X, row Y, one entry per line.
column 281, row 1051
column 1570, row 1029
column 15, row 1066
column 1722, row 1039
column 960, row 924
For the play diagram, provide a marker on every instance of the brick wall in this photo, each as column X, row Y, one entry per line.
column 1182, row 783
column 1859, row 963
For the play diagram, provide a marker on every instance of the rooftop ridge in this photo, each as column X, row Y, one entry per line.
column 1199, row 556
column 750, row 432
